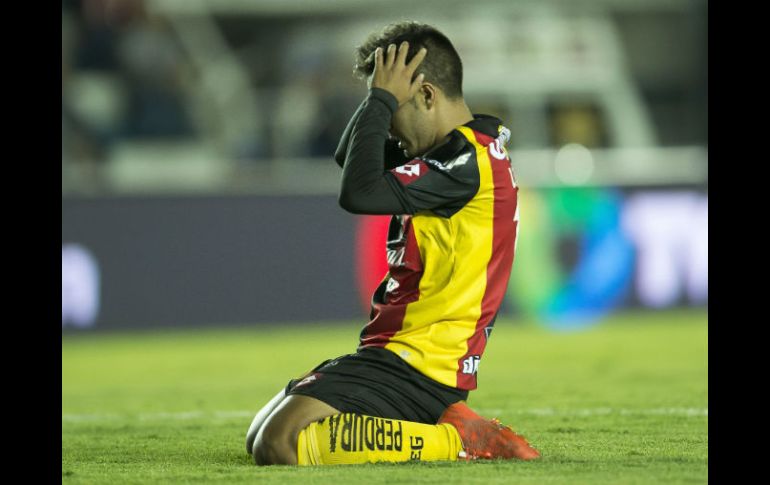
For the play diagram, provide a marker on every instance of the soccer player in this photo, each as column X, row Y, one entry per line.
column 413, row 149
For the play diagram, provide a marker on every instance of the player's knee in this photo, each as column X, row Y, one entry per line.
column 250, row 437
column 276, row 444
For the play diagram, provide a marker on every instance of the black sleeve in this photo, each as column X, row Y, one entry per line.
column 443, row 180
column 394, row 156
column 365, row 188
column 443, row 186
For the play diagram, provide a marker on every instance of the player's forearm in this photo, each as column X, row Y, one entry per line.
column 394, row 156
column 364, row 189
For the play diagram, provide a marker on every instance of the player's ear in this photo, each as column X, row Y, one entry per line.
column 427, row 95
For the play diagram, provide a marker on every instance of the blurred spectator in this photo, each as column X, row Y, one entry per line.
column 100, row 25
column 577, row 122
column 334, row 114
column 83, row 145
column 115, row 55
column 153, row 65
column 339, row 95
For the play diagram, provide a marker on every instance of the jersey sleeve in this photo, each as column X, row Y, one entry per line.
column 364, row 188
column 393, row 157
column 441, row 187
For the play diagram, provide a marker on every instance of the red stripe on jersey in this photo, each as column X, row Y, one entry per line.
column 405, row 268
column 409, row 172
column 499, row 266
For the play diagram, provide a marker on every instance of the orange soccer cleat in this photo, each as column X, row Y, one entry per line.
column 485, row 438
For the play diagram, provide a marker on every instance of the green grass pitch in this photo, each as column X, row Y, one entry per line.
column 624, row 402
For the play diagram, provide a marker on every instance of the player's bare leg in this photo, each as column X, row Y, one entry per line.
column 260, row 418
column 276, row 441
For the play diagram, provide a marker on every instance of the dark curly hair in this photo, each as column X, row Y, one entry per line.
column 442, row 65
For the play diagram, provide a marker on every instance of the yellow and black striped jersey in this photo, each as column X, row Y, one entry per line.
column 450, row 254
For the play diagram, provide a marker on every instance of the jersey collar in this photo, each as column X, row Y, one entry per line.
column 486, row 124
column 456, row 143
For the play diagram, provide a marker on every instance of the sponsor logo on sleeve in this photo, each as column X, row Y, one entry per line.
column 408, row 173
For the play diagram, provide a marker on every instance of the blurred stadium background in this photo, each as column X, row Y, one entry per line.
column 198, row 186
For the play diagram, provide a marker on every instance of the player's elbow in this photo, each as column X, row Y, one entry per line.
column 351, row 201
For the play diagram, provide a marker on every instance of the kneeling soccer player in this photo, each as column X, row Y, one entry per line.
column 414, row 150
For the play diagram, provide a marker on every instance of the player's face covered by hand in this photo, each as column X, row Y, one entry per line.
column 411, row 123
column 413, row 126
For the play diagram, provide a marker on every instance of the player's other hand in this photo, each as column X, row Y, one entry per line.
column 392, row 74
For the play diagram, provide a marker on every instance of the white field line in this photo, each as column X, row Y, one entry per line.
column 186, row 415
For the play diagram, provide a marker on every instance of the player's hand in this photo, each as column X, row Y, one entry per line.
column 392, row 74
